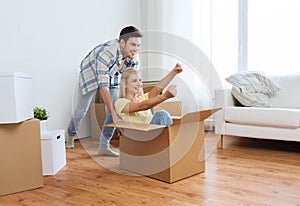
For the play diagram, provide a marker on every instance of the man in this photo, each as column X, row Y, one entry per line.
column 101, row 69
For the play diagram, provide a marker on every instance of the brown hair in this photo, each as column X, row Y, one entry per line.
column 129, row 31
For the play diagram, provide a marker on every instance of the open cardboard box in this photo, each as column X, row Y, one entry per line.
column 169, row 153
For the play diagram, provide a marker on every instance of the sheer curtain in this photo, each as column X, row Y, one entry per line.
column 215, row 32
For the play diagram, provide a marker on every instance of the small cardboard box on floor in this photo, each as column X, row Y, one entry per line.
column 169, row 153
column 20, row 157
column 53, row 151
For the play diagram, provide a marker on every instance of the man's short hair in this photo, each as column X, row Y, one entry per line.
column 129, row 31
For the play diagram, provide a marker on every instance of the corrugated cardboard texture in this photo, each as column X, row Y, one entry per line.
column 20, row 157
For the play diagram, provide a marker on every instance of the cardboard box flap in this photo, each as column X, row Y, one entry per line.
column 190, row 117
column 176, row 117
column 137, row 131
column 137, row 126
column 195, row 116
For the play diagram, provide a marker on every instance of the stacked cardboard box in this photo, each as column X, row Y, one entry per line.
column 16, row 97
column 20, row 157
column 20, row 146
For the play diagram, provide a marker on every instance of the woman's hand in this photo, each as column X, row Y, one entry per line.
column 116, row 118
column 177, row 69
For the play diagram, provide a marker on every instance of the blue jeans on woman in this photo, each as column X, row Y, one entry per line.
column 162, row 117
column 83, row 104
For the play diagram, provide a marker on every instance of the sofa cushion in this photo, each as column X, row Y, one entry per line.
column 288, row 96
column 252, row 88
column 275, row 117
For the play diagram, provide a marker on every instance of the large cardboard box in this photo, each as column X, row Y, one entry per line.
column 16, row 97
column 172, row 106
column 98, row 97
column 53, row 151
column 169, row 153
column 20, row 157
column 148, row 85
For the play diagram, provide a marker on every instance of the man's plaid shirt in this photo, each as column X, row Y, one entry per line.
column 102, row 66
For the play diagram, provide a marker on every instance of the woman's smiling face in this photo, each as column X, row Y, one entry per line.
column 134, row 84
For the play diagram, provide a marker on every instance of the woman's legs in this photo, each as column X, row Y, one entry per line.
column 162, row 117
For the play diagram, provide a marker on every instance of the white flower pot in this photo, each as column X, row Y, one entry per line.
column 43, row 125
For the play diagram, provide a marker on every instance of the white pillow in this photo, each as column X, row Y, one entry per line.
column 252, row 88
column 250, row 99
column 253, row 82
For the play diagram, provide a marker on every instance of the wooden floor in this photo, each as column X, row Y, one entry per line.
column 245, row 172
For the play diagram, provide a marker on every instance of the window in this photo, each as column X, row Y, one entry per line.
column 273, row 36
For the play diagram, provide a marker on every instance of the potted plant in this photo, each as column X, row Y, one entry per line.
column 42, row 114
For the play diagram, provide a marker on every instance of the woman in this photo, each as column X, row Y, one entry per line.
column 134, row 106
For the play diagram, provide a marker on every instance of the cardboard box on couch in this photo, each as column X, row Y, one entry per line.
column 20, row 157
column 169, row 153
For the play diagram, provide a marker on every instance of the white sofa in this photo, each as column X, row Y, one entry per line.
column 279, row 122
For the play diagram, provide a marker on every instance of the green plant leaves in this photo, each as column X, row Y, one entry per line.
column 40, row 113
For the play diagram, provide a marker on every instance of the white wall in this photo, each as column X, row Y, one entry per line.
column 178, row 31
column 48, row 39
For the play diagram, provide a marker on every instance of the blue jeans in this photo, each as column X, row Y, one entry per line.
column 83, row 104
column 107, row 132
column 161, row 117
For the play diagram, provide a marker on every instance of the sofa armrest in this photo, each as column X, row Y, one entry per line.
column 223, row 99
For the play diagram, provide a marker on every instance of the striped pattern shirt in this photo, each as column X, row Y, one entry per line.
column 102, row 67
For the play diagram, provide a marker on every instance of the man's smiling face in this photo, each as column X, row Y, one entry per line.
column 131, row 47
